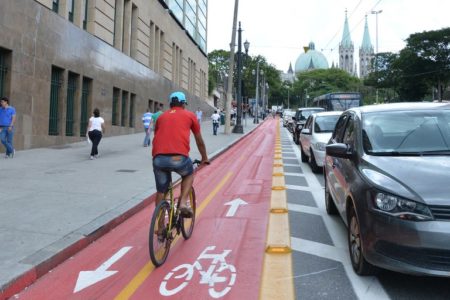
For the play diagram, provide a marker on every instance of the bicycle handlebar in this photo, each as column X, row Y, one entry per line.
column 198, row 162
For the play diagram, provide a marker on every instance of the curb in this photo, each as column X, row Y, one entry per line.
column 277, row 276
column 27, row 278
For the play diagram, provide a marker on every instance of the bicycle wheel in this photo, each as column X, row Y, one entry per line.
column 158, row 243
column 187, row 224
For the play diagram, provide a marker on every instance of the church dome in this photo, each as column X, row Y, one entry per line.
column 310, row 60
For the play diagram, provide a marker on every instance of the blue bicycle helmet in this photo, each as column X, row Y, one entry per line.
column 180, row 96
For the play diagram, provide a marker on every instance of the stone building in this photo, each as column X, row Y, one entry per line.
column 59, row 59
column 347, row 51
column 366, row 54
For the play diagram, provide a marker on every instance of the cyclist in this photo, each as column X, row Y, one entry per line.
column 171, row 149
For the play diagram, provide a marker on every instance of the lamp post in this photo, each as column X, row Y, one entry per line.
column 255, row 107
column 376, row 12
column 238, row 126
column 246, row 47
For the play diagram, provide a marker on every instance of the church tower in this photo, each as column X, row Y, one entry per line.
column 366, row 54
column 346, row 50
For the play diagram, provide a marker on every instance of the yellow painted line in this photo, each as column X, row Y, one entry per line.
column 277, row 281
column 148, row 268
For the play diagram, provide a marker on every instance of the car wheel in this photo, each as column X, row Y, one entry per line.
column 304, row 157
column 329, row 203
column 312, row 162
column 359, row 263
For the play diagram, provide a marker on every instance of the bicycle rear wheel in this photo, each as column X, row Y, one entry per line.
column 187, row 224
column 158, row 242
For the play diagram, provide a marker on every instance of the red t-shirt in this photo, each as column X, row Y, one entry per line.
column 173, row 130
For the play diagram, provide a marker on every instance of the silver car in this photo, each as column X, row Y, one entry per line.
column 315, row 135
column 387, row 173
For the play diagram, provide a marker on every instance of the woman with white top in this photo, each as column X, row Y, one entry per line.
column 95, row 129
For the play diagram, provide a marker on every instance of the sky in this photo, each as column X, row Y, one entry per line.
column 278, row 30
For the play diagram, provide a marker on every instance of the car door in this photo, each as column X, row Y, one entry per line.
column 343, row 166
column 332, row 168
column 305, row 138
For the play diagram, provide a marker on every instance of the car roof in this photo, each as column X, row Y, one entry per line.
column 399, row 106
column 310, row 108
column 327, row 113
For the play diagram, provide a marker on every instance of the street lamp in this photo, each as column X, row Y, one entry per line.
column 255, row 108
column 376, row 12
column 238, row 127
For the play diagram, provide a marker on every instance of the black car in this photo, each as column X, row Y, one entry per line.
column 387, row 173
column 300, row 119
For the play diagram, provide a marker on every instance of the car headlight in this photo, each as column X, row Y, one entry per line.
column 320, row 146
column 401, row 208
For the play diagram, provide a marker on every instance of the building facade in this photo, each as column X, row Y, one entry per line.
column 59, row 59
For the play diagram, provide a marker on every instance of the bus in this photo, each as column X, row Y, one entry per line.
column 338, row 101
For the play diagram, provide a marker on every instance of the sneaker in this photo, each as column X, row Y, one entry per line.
column 11, row 155
column 91, row 157
column 186, row 212
column 96, row 155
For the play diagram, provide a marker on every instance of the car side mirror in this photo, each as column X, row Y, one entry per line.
column 306, row 131
column 340, row 150
column 293, row 118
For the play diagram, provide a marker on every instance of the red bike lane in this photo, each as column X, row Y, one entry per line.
column 223, row 258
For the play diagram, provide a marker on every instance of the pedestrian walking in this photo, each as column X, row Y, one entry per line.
column 147, row 121
column 96, row 128
column 215, row 117
column 7, row 120
column 155, row 116
column 199, row 115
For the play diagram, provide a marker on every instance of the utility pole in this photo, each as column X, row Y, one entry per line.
column 376, row 12
column 230, row 71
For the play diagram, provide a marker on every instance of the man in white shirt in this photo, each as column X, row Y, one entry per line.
column 215, row 117
column 199, row 114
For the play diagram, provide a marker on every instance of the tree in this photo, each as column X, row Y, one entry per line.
column 313, row 83
column 218, row 67
column 432, row 49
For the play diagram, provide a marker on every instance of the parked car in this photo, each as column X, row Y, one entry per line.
column 300, row 119
column 287, row 119
column 387, row 173
column 314, row 137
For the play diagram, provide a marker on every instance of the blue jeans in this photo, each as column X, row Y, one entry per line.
column 147, row 137
column 215, row 127
column 7, row 139
column 164, row 165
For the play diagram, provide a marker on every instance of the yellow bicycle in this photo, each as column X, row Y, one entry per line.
column 167, row 223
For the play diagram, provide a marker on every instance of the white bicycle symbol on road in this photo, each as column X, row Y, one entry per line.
column 219, row 276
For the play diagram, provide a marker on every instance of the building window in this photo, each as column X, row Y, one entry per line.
column 115, row 107
column 84, row 107
column 85, row 15
column 55, row 88
column 3, row 71
column 131, row 114
column 70, row 104
column 70, row 4
column 124, row 109
column 55, row 6
column 134, row 31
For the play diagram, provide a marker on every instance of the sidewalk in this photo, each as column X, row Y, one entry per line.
column 55, row 201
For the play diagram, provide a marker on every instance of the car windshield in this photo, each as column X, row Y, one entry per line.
column 416, row 132
column 341, row 104
column 325, row 123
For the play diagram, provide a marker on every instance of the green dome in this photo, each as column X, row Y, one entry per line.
column 311, row 60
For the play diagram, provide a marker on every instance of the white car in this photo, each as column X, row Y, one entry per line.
column 314, row 137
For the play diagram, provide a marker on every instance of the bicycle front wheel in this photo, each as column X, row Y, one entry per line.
column 187, row 224
column 158, row 242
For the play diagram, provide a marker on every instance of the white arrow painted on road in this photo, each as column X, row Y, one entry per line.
column 88, row 278
column 234, row 205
